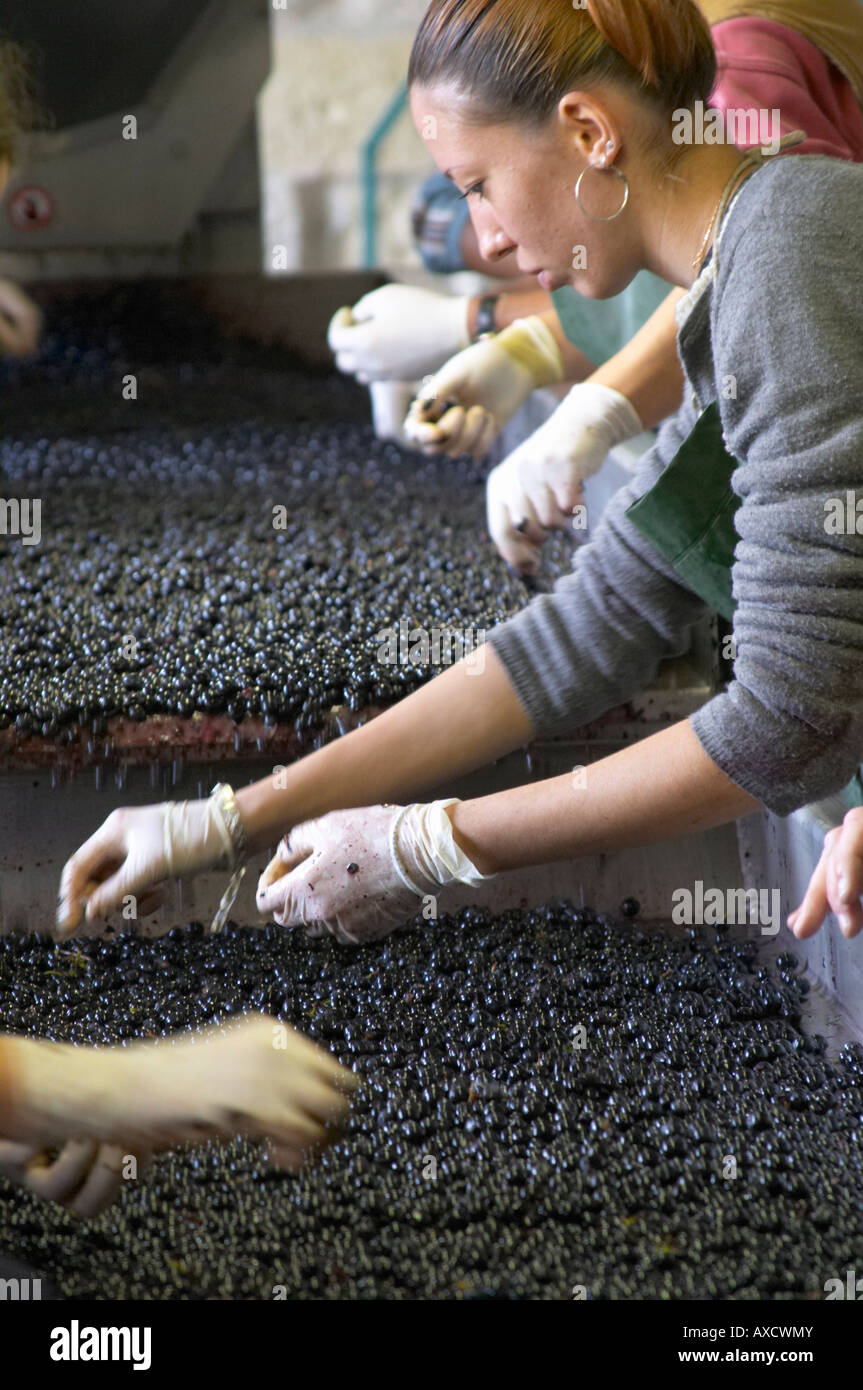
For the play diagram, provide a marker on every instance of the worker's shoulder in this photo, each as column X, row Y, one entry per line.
column 793, row 207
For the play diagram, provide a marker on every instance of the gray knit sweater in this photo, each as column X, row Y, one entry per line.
column 783, row 325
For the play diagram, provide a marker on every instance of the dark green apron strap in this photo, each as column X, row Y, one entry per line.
column 688, row 515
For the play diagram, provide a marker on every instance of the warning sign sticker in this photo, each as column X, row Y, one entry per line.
column 29, row 208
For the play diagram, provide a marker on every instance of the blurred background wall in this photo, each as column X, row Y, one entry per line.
column 336, row 66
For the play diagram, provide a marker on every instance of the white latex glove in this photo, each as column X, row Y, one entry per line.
column 398, row 333
column 359, row 874
column 85, row 1177
column 258, row 1077
column 539, row 484
column 20, row 321
column 390, row 404
column 466, row 405
column 150, row 844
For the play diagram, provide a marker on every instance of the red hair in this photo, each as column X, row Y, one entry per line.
column 515, row 59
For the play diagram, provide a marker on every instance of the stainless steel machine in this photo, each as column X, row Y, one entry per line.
column 151, row 162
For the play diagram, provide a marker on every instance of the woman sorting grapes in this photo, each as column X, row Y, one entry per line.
column 558, row 123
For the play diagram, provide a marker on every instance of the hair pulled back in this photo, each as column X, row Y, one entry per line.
column 515, row 59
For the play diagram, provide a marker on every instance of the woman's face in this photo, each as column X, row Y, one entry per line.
column 520, row 183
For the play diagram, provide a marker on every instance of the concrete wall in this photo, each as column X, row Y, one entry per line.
column 337, row 63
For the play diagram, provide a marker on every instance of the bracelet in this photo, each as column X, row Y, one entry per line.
column 485, row 317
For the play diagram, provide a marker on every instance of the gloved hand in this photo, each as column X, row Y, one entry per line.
column 258, row 1077
column 539, row 484
column 837, row 883
column 464, row 408
column 85, row 1177
column 398, row 333
column 390, row 404
column 137, row 849
column 20, row 321
column 359, row 874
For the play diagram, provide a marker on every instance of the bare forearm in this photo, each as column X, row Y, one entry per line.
column 522, row 304
column 648, row 371
column 663, row 787
column 7, row 1072
column 460, row 721
column 511, row 305
column 577, row 366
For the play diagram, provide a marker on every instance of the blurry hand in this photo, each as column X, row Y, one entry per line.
column 20, row 321
column 258, row 1077
column 85, row 1177
column 398, row 333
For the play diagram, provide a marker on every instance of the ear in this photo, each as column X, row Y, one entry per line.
column 591, row 126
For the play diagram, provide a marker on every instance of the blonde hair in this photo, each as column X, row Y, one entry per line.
column 19, row 108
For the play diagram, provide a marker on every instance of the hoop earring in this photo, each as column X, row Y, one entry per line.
column 612, row 168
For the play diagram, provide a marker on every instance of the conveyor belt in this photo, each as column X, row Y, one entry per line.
column 552, row 1102
column 228, row 543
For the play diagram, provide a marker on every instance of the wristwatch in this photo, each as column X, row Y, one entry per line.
column 485, row 317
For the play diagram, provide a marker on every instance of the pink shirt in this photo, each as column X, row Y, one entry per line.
column 763, row 65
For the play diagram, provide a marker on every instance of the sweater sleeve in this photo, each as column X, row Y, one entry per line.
column 787, row 312
column 599, row 638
